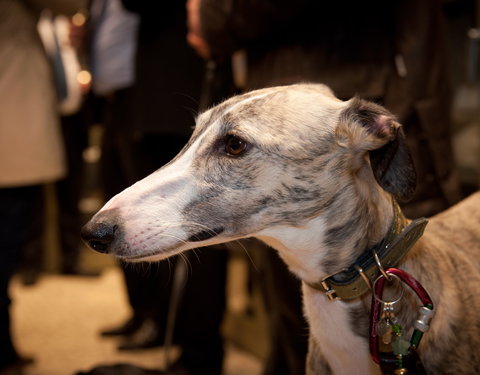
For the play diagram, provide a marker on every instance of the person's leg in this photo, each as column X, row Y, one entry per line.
column 148, row 288
column 17, row 210
column 202, row 306
column 69, row 190
column 117, row 173
column 148, row 285
column 202, row 310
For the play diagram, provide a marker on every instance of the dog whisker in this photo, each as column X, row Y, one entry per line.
column 244, row 248
column 185, row 259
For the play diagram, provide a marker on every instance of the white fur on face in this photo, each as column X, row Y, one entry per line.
column 154, row 224
column 152, row 210
column 280, row 190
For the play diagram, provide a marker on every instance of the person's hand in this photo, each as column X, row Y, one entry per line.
column 199, row 45
column 77, row 31
column 194, row 36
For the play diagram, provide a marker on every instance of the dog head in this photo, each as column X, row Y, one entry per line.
column 262, row 164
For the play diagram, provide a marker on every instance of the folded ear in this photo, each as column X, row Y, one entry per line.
column 372, row 128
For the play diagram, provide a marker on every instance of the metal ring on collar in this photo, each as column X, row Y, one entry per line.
column 379, row 265
column 390, row 276
column 364, row 276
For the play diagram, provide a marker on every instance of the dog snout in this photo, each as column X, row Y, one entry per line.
column 99, row 235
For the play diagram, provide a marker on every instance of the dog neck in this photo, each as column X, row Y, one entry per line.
column 355, row 279
column 331, row 242
column 358, row 278
column 311, row 257
column 348, row 353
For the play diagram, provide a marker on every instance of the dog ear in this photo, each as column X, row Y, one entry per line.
column 390, row 159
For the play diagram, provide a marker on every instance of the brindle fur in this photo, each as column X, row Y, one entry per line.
column 315, row 182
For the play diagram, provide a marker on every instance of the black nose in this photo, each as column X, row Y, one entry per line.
column 99, row 236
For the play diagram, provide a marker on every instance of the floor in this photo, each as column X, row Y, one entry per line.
column 58, row 322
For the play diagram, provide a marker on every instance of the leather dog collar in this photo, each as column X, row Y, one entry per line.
column 356, row 280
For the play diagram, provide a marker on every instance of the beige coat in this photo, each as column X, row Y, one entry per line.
column 31, row 147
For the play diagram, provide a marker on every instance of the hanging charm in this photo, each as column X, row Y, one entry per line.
column 399, row 355
column 388, row 322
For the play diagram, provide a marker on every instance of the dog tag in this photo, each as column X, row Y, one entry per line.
column 388, row 322
column 383, row 327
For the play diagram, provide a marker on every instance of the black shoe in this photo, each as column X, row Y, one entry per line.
column 127, row 328
column 75, row 271
column 15, row 367
column 147, row 336
column 29, row 277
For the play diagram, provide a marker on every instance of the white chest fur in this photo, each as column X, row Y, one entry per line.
column 330, row 325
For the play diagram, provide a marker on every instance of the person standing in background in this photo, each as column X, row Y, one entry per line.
column 148, row 122
column 390, row 52
column 393, row 53
column 31, row 148
column 167, row 90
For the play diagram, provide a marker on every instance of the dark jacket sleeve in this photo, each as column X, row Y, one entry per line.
column 231, row 25
column 158, row 14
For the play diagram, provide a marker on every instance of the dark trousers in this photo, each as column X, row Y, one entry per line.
column 69, row 190
column 18, row 208
column 129, row 156
column 201, row 311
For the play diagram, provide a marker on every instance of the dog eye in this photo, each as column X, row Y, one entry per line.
column 235, row 146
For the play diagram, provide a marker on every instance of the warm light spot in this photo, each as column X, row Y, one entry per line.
column 84, row 77
column 79, row 19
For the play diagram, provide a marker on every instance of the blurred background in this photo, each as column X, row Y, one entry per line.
column 65, row 295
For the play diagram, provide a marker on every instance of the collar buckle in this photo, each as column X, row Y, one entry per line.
column 329, row 291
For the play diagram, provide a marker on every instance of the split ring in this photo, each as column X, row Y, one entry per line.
column 388, row 278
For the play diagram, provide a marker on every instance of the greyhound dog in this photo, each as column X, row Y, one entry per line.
column 317, row 179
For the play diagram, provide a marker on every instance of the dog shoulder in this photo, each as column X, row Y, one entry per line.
column 462, row 221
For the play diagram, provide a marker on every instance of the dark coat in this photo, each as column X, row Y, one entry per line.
column 169, row 73
column 356, row 48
